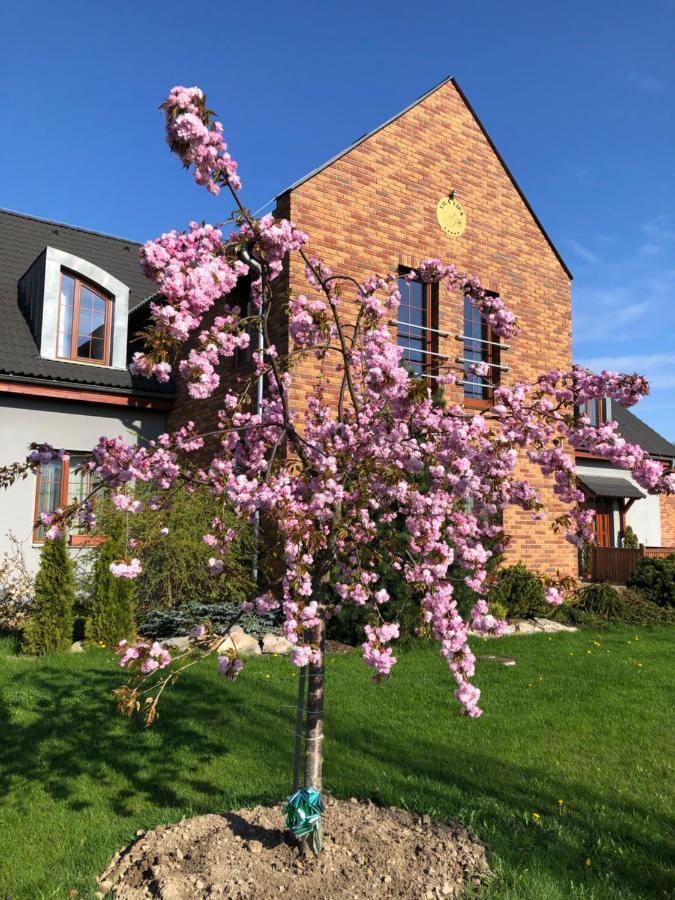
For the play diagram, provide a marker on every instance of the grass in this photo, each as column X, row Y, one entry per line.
column 565, row 777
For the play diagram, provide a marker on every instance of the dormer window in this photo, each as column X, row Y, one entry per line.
column 84, row 322
column 76, row 310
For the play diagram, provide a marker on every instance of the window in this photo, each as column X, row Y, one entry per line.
column 58, row 484
column 480, row 346
column 84, row 322
column 595, row 410
column 417, row 326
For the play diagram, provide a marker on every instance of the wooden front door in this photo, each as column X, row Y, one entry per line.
column 603, row 526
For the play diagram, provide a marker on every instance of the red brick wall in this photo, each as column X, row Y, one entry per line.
column 667, row 520
column 375, row 208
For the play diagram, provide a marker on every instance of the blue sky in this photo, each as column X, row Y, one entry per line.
column 579, row 97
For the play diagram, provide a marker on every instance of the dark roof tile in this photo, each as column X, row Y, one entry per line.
column 635, row 431
column 22, row 240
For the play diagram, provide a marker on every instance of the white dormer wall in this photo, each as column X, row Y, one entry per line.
column 55, row 261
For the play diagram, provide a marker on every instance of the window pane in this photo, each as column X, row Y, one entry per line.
column 79, row 484
column 91, row 326
column 66, row 315
column 96, row 349
column 413, row 333
column 49, row 490
column 98, row 322
column 84, row 348
column 67, row 290
column 476, row 349
column 88, row 299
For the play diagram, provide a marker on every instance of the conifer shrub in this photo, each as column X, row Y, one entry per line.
column 111, row 612
column 630, row 539
column 50, row 626
column 654, row 577
column 599, row 604
column 519, row 591
column 175, row 558
column 178, row 622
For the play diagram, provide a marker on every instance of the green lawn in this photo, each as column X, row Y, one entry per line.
column 578, row 733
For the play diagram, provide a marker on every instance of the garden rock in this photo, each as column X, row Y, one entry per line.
column 177, row 643
column 539, row 626
column 501, row 660
column 367, row 852
column 243, row 644
column 277, row 644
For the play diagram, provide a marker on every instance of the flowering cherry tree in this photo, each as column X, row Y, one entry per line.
column 336, row 477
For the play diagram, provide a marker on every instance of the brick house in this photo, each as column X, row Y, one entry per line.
column 373, row 208
column 617, row 499
column 378, row 206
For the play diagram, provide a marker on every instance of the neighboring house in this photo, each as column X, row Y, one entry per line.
column 617, row 499
column 431, row 183
column 70, row 301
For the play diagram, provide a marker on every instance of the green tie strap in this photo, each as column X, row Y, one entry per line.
column 302, row 812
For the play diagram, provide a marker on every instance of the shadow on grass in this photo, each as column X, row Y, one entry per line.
column 72, row 742
column 72, row 733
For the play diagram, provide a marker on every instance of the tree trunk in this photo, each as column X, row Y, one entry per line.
column 314, row 739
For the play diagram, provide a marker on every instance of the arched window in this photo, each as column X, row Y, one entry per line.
column 84, row 321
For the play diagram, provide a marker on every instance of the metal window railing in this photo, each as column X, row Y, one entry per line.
column 421, row 327
column 468, row 337
column 463, row 359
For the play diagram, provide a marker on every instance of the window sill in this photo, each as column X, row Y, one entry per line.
column 74, row 540
column 84, row 362
column 477, row 404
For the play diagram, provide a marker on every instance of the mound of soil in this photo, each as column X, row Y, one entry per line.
column 367, row 852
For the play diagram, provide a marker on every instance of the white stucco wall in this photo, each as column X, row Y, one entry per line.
column 69, row 425
column 644, row 516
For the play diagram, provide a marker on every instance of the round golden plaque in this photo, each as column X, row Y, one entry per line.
column 451, row 216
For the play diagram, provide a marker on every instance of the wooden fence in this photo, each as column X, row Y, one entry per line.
column 615, row 564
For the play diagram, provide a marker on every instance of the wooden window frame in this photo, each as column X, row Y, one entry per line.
column 74, row 338
column 492, row 357
column 429, row 331
column 74, row 540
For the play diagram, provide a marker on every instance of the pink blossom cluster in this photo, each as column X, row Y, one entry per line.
column 125, row 503
column 197, row 140
column 53, row 524
column 375, row 651
column 143, row 657
column 230, row 666
column 553, row 596
column 490, row 305
column 484, row 623
column 86, row 516
column 126, row 568
column 44, row 453
column 304, row 654
column 262, row 605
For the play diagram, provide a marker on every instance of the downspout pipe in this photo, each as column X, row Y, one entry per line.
column 248, row 259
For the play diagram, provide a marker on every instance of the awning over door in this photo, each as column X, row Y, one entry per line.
column 600, row 486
